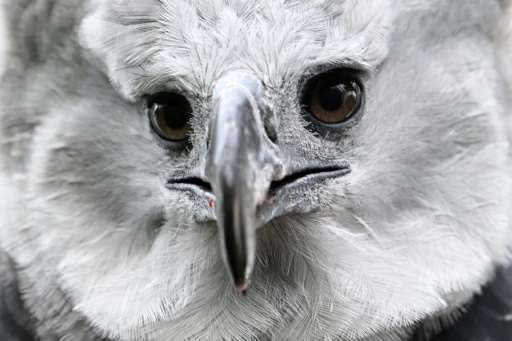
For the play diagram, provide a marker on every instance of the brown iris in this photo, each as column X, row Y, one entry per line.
column 170, row 115
column 334, row 98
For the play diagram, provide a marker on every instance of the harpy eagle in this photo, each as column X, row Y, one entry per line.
column 255, row 170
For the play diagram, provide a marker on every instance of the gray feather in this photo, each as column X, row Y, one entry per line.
column 103, row 250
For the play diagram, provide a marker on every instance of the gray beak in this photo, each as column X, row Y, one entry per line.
column 242, row 162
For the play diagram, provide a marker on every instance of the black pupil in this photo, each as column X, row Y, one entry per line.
column 175, row 116
column 331, row 99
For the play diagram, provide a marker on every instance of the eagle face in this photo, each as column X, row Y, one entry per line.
column 342, row 163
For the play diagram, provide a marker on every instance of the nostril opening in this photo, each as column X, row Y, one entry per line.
column 271, row 131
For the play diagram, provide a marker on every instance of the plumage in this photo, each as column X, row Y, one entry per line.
column 98, row 244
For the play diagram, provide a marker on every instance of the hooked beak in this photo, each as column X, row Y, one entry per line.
column 241, row 165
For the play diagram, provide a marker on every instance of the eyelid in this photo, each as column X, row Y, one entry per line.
column 345, row 64
column 357, row 74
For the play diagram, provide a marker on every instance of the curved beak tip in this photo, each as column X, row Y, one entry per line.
column 241, row 285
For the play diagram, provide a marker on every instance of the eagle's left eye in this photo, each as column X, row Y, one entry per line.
column 333, row 99
column 169, row 114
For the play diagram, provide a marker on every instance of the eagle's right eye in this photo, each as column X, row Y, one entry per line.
column 169, row 115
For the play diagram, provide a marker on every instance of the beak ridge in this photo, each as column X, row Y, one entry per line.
column 241, row 165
